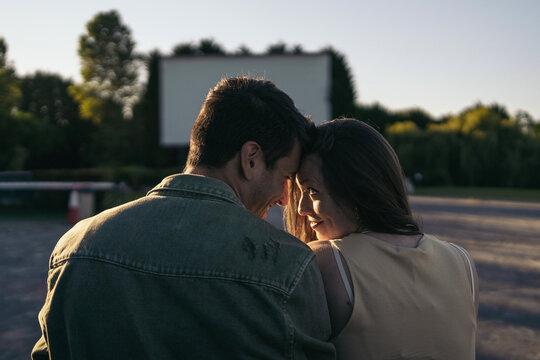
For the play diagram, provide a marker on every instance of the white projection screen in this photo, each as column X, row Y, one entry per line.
column 185, row 81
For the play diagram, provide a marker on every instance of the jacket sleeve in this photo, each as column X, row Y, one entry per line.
column 307, row 310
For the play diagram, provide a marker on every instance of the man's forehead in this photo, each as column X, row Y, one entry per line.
column 293, row 160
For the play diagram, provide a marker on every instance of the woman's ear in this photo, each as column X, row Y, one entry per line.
column 251, row 159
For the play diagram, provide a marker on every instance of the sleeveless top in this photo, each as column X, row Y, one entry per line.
column 409, row 303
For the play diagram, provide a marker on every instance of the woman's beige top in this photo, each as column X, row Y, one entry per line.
column 409, row 303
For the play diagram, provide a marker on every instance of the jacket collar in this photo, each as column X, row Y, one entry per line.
column 196, row 184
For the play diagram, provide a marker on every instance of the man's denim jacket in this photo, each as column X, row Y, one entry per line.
column 183, row 273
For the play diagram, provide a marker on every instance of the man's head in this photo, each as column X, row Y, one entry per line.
column 252, row 125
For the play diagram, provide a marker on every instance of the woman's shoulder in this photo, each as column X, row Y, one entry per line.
column 324, row 253
column 340, row 302
column 320, row 245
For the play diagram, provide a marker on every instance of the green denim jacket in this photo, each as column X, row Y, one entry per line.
column 184, row 273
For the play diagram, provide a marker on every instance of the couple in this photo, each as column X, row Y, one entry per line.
column 192, row 272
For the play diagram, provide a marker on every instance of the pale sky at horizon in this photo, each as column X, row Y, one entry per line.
column 441, row 56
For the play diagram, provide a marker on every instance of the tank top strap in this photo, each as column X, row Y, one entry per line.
column 341, row 269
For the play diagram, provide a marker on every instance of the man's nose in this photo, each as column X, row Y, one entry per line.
column 284, row 199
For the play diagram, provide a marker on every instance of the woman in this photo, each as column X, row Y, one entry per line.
column 392, row 291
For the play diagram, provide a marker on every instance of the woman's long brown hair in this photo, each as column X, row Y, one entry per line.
column 362, row 172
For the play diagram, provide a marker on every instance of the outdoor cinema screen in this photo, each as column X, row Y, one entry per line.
column 185, row 81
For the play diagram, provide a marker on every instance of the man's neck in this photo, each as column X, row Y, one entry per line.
column 225, row 174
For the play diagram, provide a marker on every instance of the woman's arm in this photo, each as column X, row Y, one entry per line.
column 339, row 305
column 472, row 275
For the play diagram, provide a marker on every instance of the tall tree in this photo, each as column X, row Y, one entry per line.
column 342, row 93
column 146, row 119
column 109, row 68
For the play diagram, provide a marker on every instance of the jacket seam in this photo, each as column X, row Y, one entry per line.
column 59, row 263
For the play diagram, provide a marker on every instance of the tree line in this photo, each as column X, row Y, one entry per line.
column 111, row 117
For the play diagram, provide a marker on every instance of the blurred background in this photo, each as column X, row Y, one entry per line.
column 454, row 86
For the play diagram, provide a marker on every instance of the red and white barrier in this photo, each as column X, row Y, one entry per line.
column 73, row 207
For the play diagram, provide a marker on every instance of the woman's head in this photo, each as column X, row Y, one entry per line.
column 350, row 179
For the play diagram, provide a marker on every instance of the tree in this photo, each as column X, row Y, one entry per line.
column 45, row 95
column 205, row 47
column 185, row 49
column 417, row 116
column 342, row 93
column 376, row 115
column 211, row 47
column 109, row 68
column 278, row 48
column 525, row 121
column 9, row 85
column 146, row 119
column 243, row 50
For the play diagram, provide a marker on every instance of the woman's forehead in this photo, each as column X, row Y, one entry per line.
column 310, row 169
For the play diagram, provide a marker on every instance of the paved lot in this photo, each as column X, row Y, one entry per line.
column 503, row 237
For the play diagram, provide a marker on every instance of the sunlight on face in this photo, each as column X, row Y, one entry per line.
column 326, row 217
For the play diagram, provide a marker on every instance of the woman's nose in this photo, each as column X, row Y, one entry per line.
column 305, row 207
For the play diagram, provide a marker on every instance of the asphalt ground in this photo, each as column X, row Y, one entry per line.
column 503, row 237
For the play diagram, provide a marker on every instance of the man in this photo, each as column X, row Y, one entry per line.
column 191, row 271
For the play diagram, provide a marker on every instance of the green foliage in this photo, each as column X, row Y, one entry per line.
column 26, row 141
column 205, row 47
column 279, row 48
column 185, row 49
column 3, row 52
column 145, row 129
column 417, row 116
column 376, row 115
column 210, row 47
column 12, row 154
column 479, row 147
column 342, row 92
column 243, row 50
column 9, row 85
column 383, row 119
column 46, row 96
column 403, row 127
column 110, row 88
column 108, row 67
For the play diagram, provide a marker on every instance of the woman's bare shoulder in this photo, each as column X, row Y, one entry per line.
column 320, row 245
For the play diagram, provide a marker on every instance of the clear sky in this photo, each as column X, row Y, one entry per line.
column 439, row 55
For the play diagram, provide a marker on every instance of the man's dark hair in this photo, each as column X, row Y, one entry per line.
column 244, row 109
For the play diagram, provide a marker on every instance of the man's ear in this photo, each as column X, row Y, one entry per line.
column 251, row 159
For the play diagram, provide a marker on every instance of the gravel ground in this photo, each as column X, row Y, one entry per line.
column 502, row 236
